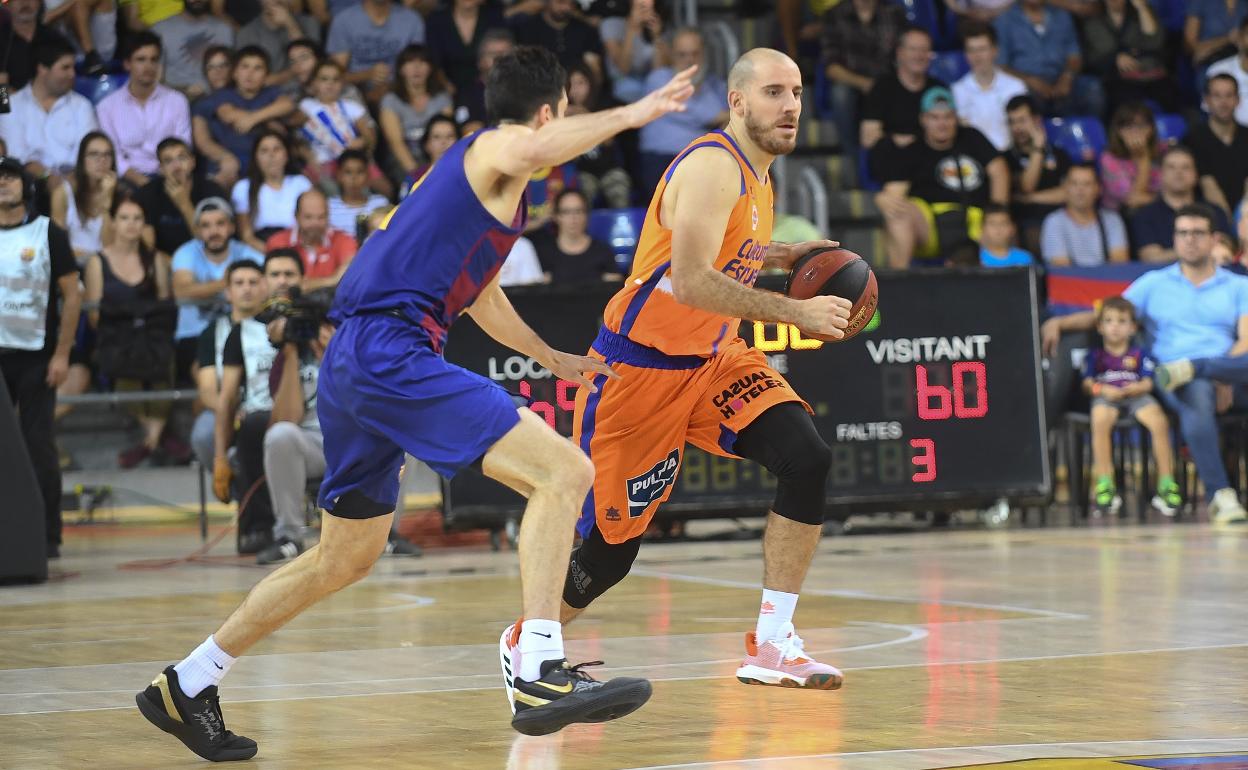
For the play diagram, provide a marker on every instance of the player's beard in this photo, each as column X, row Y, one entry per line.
column 768, row 137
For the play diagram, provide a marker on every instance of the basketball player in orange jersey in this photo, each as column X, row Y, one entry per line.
column 686, row 376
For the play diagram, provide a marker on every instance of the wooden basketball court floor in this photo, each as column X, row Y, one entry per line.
column 959, row 648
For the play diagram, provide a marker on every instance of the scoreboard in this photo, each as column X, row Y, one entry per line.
column 936, row 404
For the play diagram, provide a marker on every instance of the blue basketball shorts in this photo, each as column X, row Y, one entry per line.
column 383, row 391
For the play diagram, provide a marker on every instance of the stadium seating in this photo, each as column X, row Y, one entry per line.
column 949, row 66
column 619, row 229
column 96, row 88
column 1171, row 128
column 1083, row 138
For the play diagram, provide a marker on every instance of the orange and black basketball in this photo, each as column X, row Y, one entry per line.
column 840, row 273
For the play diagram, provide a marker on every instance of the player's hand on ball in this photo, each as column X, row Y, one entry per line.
column 568, row 367
column 670, row 98
column 824, row 314
column 221, row 475
column 783, row 255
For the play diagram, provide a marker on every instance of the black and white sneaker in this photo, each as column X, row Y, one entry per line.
column 397, row 546
column 197, row 722
column 284, row 549
column 566, row 695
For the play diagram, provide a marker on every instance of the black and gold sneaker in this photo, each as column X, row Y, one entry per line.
column 197, row 721
column 566, row 695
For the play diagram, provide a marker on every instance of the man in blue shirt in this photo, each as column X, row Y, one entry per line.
column 1039, row 45
column 1191, row 310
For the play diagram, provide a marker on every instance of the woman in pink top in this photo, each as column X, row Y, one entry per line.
column 1130, row 166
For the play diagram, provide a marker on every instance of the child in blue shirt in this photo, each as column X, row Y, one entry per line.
column 995, row 243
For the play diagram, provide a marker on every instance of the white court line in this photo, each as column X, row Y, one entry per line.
column 1126, row 747
column 858, row 594
column 655, row 679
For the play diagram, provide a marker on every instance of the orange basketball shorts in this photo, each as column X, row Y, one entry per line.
column 635, row 428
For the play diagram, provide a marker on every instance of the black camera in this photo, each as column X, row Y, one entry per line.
column 304, row 313
column 5, row 106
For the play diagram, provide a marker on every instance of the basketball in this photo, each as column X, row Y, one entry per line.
column 840, row 273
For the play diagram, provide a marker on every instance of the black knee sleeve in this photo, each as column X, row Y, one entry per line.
column 784, row 441
column 596, row 565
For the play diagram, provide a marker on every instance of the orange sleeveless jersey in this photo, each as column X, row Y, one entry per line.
column 647, row 312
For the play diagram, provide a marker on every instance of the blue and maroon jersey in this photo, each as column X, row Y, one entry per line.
column 1118, row 371
column 432, row 255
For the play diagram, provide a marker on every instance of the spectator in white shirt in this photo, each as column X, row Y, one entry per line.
column 522, row 267
column 354, row 200
column 1236, row 67
column 982, row 93
column 48, row 120
column 266, row 200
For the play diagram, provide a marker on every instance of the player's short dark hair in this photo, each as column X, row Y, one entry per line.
column 521, row 82
column 242, row 264
column 979, row 29
column 285, row 252
column 48, row 53
column 141, row 39
column 1118, row 303
column 253, row 51
column 1225, row 78
column 1021, row 101
column 170, row 141
column 1200, row 210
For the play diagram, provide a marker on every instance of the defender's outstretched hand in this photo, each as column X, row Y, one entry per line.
column 570, row 367
column 670, row 98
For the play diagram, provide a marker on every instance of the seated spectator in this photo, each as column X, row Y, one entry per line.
column 983, row 93
column 977, row 11
column 1223, row 253
column 244, row 399
column 367, row 37
column 1080, row 234
column 455, row 32
column 599, row 170
column 1037, row 169
column 1126, row 48
column 90, row 25
column 143, row 113
column 1164, row 300
column 169, row 200
column 265, row 201
column 273, row 30
column 21, row 33
column 935, row 188
column 1209, row 29
column 354, row 200
column 218, row 70
column 544, row 187
column 1152, row 226
column 326, row 251
column 570, row 255
column 522, row 267
column 440, row 135
column 996, row 243
column 1118, row 376
column 1129, row 167
column 187, row 37
column 891, row 107
column 557, row 28
column 80, row 202
column 225, row 123
column 859, row 38
column 1236, row 66
column 1039, row 45
column 126, row 280
column 419, row 93
column 634, row 46
column 470, row 103
column 1220, row 146
column 302, row 56
column 331, row 125
column 706, row 110
column 48, row 120
column 199, row 274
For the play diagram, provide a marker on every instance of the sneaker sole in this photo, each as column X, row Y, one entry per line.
column 597, row 706
column 504, row 660
column 162, row 720
column 764, row 676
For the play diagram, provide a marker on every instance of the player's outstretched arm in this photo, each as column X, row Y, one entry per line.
column 494, row 313
column 519, row 151
column 697, row 205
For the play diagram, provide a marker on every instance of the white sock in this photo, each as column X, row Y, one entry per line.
column 776, row 609
column 540, row 641
column 206, row 666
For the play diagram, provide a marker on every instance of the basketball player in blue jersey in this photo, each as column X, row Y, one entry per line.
column 384, row 389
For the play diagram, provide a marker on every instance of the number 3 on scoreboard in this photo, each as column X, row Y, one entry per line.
column 925, row 458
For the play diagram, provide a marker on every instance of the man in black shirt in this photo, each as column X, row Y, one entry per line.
column 21, row 32
column 169, row 199
column 1037, row 169
column 37, row 268
column 572, row 256
column 935, row 188
column 1221, row 146
column 558, row 30
column 891, row 107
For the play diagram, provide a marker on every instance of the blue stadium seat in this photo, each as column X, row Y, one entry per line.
column 1171, row 13
column 865, row 180
column 96, row 88
column 923, row 13
column 619, row 229
column 1083, row 138
column 1171, row 128
column 949, row 66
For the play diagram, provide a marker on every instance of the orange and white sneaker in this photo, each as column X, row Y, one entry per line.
column 782, row 662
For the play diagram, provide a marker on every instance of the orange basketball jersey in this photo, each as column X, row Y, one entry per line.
column 647, row 312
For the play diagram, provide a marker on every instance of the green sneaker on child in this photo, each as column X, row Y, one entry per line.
column 1167, row 500
column 1106, row 496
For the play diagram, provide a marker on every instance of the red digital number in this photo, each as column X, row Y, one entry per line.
column 545, row 409
column 925, row 458
column 565, row 399
column 952, row 404
column 565, row 395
